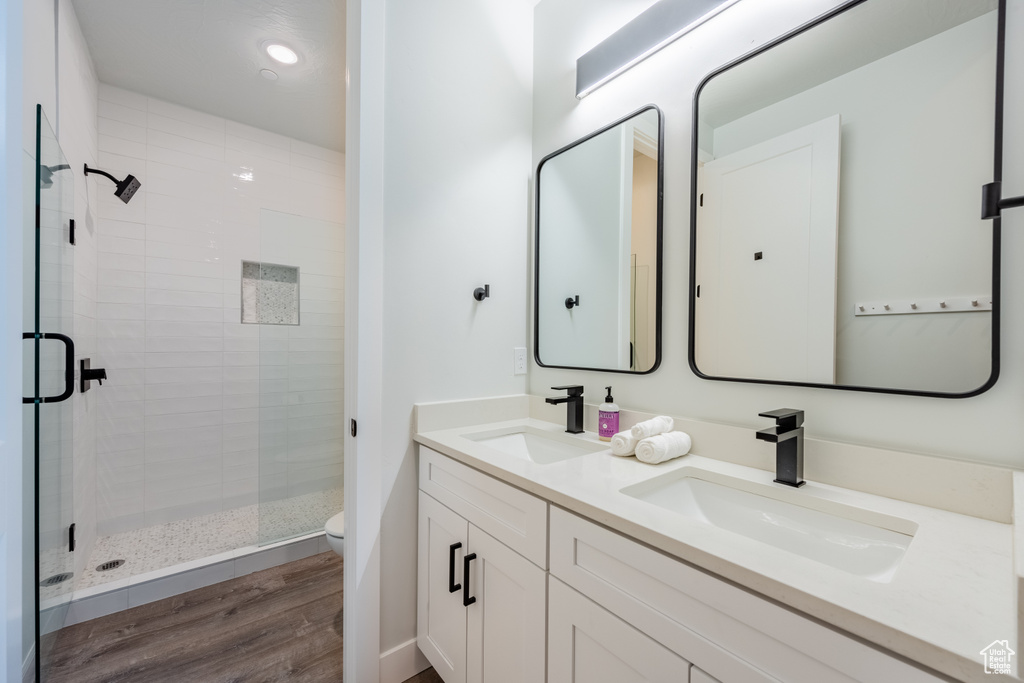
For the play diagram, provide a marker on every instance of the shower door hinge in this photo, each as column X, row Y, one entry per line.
column 71, row 231
column 71, row 538
column 353, row 428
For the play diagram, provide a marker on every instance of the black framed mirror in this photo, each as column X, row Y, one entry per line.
column 598, row 249
column 836, row 232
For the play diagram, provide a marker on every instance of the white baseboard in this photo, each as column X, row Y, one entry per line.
column 402, row 662
column 28, row 667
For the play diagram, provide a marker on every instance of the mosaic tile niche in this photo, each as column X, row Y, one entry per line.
column 270, row 293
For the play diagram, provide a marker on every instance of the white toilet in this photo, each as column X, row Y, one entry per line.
column 335, row 530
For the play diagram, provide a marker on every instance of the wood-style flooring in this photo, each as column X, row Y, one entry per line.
column 428, row 676
column 280, row 624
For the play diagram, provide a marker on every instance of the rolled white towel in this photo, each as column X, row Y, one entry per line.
column 662, row 447
column 656, row 425
column 624, row 443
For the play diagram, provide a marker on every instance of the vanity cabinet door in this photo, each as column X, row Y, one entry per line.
column 698, row 676
column 506, row 622
column 588, row 644
column 440, row 614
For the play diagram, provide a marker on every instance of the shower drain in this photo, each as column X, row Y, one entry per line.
column 55, row 579
column 107, row 566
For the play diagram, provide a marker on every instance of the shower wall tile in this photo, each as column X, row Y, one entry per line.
column 124, row 147
column 120, row 295
column 187, row 129
column 241, row 130
column 121, row 130
column 179, row 433
column 206, row 150
column 112, row 112
column 124, row 229
column 125, row 98
column 185, row 115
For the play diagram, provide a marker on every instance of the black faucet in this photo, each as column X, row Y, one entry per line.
column 788, row 437
column 574, row 409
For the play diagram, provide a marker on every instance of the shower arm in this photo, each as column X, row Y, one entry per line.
column 103, row 173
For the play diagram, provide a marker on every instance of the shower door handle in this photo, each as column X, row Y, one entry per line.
column 452, row 586
column 69, row 367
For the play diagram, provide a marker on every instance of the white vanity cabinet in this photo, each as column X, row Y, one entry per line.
column 481, row 604
column 588, row 644
column 561, row 599
column 726, row 632
column 698, row 676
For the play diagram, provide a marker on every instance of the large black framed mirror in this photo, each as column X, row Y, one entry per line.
column 836, row 232
column 598, row 249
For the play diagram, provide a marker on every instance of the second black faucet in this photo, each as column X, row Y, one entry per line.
column 788, row 437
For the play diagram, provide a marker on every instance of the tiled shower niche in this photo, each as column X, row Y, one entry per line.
column 270, row 293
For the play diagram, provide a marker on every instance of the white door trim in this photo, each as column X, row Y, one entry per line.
column 364, row 267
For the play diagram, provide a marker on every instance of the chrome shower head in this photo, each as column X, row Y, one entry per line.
column 125, row 189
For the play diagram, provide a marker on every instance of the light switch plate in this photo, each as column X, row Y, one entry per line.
column 519, row 360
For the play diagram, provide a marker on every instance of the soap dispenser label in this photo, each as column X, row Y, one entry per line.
column 607, row 424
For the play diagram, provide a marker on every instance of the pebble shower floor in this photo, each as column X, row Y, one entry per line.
column 165, row 545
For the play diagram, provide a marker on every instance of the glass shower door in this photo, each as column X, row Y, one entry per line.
column 49, row 383
column 296, row 295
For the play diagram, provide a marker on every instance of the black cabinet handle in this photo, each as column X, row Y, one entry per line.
column 466, row 599
column 452, row 586
column 69, row 367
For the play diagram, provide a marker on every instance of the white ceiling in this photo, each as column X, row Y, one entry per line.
column 206, row 54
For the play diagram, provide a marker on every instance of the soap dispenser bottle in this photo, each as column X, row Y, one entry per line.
column 607, row 418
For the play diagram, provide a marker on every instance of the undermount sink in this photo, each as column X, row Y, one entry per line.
column 861, row 542
column 536, row 445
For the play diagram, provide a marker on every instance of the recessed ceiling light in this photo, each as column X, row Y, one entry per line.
column 283, row 54
column 268, row 74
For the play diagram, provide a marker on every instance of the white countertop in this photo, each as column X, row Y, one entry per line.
column 953, row 594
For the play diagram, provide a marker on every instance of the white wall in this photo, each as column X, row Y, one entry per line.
column 986, row 428
column 12, row 590
column 456, row 196
column 898, row 199
column 178, row 427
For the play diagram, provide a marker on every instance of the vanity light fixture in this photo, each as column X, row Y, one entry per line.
column 656, row 27
column 281, row 53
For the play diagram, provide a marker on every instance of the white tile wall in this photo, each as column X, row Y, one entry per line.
column 178, row 431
